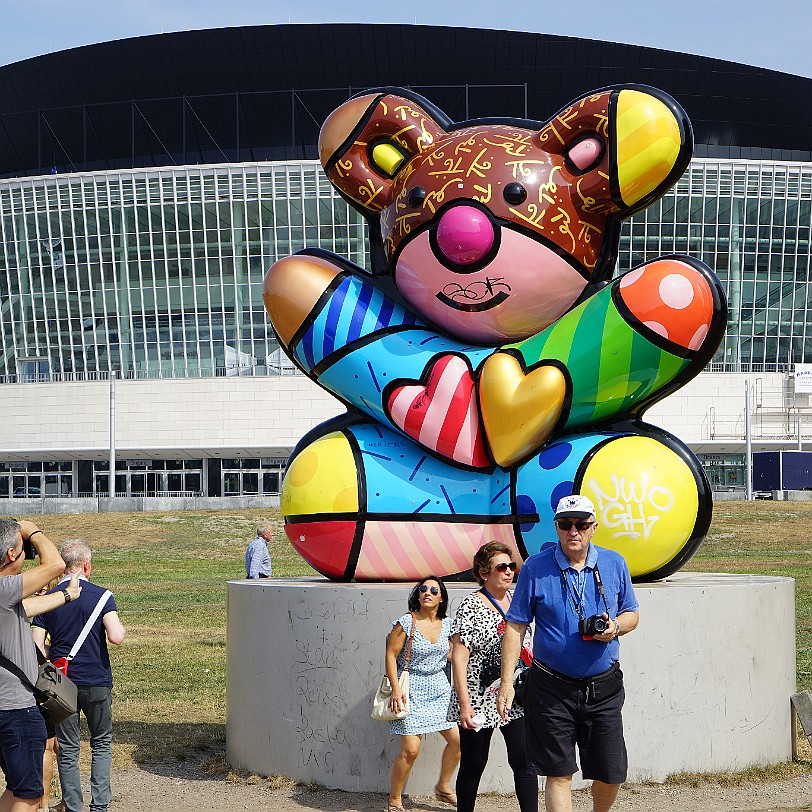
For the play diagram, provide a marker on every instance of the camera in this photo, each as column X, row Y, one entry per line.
column 590, row 626
column 28, row 549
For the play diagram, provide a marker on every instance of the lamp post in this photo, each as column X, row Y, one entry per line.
column 798, row 429
column 112, row 473
column 748, row 445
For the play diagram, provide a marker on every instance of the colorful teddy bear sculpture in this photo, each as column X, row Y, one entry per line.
column 488, row 364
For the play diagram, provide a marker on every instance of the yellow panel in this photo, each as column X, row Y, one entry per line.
column 648, row 144
column 646, row 501
column 322, row 479
column 387, row 157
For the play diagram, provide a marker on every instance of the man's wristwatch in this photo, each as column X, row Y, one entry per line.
column 617, row 629
column 68, row 598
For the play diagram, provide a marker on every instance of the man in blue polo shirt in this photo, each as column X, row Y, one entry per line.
column 581, row 599
column 90, row 670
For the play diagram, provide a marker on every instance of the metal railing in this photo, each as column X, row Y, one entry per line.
column 275, row 370
column 151, row 494
column 729, row 366
column 256, row 371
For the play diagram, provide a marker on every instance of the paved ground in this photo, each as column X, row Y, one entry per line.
column 164, row 787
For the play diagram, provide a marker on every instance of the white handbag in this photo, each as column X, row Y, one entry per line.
column 381, row 711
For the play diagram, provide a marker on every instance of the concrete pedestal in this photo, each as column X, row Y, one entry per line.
column 709, row 673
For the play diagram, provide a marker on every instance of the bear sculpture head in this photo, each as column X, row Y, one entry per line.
column 492, row 231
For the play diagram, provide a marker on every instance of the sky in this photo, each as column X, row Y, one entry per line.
column 775, row 34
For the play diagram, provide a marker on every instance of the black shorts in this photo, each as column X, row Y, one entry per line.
column 558, row 716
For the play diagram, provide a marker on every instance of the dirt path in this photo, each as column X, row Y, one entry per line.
column 183, row 786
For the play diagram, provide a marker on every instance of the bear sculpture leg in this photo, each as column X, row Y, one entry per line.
column 362, row 502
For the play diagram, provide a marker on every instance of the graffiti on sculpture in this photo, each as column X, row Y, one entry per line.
column 489, row 362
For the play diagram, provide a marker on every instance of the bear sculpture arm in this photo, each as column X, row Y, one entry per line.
column 477, row 405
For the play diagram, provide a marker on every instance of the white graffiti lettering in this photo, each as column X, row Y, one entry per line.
column 634, row 508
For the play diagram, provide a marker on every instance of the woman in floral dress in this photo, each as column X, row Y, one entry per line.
column 476, row 636
column 429, row 690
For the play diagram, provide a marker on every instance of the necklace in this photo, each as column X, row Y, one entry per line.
column 429, row 624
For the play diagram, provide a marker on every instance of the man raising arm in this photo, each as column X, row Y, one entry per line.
column 22, row 728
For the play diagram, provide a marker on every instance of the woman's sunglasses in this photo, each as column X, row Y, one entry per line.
column 567, row 526
column 505, row 566
column 433, row 589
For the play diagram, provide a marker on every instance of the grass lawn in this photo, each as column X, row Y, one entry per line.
column 168, row 572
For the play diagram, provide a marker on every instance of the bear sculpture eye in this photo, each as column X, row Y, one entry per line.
column 515, row 194
column 388, row 158
column 586, row 154
column 416, row 197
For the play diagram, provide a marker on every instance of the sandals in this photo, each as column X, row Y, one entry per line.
column 449, row 798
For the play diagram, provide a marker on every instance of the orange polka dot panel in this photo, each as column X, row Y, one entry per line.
column 672, row 299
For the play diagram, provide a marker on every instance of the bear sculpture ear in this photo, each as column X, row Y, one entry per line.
column 636, row 137
column 367, row 142
column 651, row 142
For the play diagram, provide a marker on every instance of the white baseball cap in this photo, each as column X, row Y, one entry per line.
column 574, row 507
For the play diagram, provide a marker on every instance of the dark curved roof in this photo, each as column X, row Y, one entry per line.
column 261, row 92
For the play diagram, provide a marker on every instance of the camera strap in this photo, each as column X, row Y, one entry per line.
column 577, row 600
column 599, row 582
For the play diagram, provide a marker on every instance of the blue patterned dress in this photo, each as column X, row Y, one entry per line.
column 429, row 689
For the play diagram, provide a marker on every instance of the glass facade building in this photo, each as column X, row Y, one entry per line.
column 159, row 273
column 750, row 221
column 147, row 185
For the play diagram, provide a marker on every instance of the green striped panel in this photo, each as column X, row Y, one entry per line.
column 611, row 365
column 533, row 349
column 615, row 368
column 586, row 356
column 565, row 338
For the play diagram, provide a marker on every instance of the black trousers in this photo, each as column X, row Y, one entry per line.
column 474, row 748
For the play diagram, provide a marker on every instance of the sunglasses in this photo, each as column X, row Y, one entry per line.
column 434, row 590
column 505, row 566
column 567, row 526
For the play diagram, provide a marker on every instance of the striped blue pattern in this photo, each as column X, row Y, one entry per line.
column 355, row 309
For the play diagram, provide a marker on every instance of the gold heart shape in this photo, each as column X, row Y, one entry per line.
column 519, row 410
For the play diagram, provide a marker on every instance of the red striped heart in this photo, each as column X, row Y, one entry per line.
column 442, row 414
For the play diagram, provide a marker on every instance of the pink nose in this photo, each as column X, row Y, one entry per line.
column 464, row 235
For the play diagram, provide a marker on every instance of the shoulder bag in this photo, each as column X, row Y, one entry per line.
column 55, row 693
column 381, row 712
